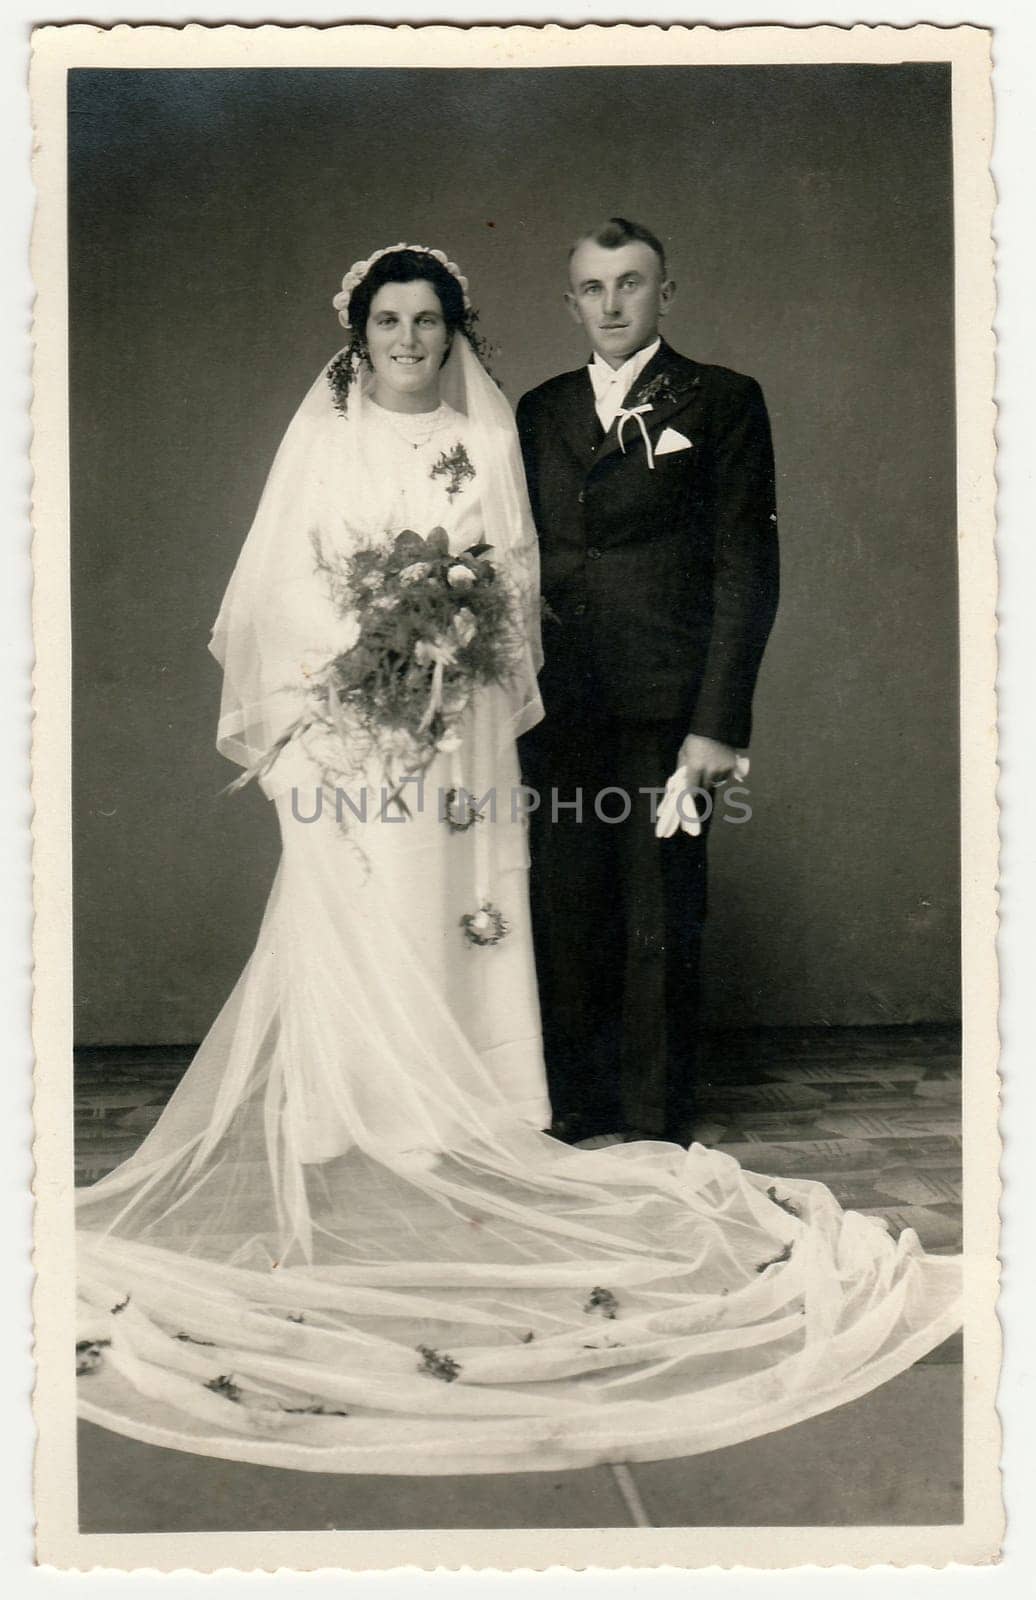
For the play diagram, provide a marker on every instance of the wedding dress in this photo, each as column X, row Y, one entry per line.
column 346, row 1245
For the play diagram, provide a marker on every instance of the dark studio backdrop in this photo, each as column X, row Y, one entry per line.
column 808, row 215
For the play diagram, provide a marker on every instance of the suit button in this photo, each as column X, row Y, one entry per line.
column 593, row 554
column 579, row 610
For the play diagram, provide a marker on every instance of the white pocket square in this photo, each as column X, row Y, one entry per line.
column 669, row 440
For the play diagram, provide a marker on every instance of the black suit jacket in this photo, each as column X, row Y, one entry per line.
column 663, row 582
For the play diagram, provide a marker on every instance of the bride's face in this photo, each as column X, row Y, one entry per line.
column 408, row 340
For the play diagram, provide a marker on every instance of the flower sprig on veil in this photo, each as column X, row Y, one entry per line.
column 777, row 1260
column 781, row 1200
column 437, row 1364
column 89, row 1355
column 601, row 1303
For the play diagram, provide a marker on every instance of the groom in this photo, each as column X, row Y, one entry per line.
column 652, row 485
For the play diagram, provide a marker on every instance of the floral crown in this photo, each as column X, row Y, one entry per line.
column 359, row 270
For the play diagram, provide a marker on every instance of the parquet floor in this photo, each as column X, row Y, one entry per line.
column 872, row 1112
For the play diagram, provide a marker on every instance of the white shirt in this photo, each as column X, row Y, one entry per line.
column 613, row 384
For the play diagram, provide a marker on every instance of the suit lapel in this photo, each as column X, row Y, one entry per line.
column 578, row 419
column 665, row 384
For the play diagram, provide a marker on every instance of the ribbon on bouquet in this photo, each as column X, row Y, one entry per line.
column 622, row 416
column 260, row 768
column 441, row 656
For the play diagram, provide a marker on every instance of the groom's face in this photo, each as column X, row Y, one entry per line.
column 618, row 295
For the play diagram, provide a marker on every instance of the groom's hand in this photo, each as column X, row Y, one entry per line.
column 706, row 762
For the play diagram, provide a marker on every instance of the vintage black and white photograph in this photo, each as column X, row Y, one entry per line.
column 510, row 553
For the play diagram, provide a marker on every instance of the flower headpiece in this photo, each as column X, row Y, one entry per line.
column 359, row 270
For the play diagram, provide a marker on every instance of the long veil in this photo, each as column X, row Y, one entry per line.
column 477, row 1296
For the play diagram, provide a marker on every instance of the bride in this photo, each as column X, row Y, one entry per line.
column 346, row 1245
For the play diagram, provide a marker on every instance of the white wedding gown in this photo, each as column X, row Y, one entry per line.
column 347, row 1246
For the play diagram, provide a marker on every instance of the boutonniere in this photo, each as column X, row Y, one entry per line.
column 660, row 388
column 456, row 466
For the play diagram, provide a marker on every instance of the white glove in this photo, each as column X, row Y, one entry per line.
column 678, row 808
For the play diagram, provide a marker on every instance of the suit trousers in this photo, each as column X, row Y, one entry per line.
column 617, row 924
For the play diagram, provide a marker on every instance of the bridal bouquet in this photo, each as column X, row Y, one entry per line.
column 422, row 630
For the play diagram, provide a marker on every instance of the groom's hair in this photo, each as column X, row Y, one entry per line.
column 618, row 231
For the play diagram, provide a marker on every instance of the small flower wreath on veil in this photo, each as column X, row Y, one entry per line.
column 342, row 371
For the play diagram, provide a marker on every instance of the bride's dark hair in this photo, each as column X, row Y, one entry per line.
column 400, row 266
